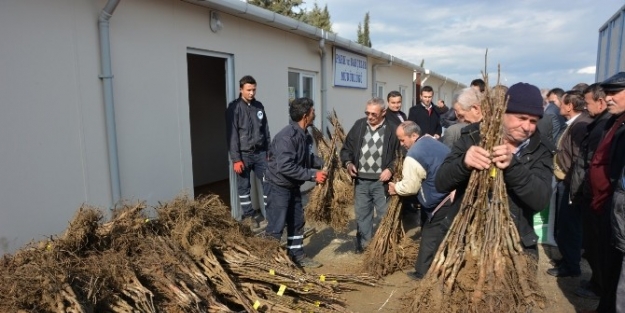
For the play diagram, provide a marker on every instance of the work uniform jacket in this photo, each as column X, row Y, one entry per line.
column 247, row 128
column 291, row 161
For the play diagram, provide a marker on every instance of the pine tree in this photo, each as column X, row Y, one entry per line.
column 363, row 32
column 319, row 18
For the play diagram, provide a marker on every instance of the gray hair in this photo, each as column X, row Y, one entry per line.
column 377, row 101
column 410, row 128
column 468, row 97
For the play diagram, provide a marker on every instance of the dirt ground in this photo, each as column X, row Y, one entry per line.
column 336, row 252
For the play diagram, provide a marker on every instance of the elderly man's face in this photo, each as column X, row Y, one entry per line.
column 519, row 127
column 615, row 101
column 472, row 115
column 594, row 107
column 406, row 141
column 375, row 114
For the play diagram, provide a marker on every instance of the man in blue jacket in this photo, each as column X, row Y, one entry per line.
column 248, row 140
column 425, row 155
column 291, row 163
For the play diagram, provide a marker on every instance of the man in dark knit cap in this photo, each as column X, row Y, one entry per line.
column 525, row 160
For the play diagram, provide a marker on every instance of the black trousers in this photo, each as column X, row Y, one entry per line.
column 432, row 234
column 592, row 235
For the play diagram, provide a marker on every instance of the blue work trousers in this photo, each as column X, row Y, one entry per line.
column 284, row 206
column 256, row 162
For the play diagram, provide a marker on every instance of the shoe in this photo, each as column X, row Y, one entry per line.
column 309, row 231
column 586, row 293
column 359, row 250
column 562, row 272
column 555, row 263
column 307, row 262
column 414, row 276
column 255, row 223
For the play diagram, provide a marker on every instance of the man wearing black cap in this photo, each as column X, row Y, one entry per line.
column 525, row 159
column 606, row 175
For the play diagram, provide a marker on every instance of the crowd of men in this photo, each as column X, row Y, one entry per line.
column 565, row 146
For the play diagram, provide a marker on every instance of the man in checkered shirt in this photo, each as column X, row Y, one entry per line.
column 369, row 156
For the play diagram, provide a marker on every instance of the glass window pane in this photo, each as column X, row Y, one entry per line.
column 293, row 85
column 307, row 87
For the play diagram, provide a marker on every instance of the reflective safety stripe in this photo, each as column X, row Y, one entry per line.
column 295, row 237
column 246, row 202
column 245, row 196
column 294, row 247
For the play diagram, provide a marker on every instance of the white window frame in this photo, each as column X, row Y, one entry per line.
column 300, row 88
column 402, row 91
column 379, row 89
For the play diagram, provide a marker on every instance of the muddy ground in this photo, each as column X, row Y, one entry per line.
column 336, row 252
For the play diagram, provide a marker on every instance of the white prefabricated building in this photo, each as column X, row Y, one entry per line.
column 109, row 101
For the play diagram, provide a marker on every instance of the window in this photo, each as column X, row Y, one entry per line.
column 380, row 89
column 402, row 90
column 301, row 84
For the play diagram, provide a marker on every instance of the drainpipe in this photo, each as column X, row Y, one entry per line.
column 441, row 86
column 374, row 92
column 109, row 108
column 427, row 75
column 324, row 90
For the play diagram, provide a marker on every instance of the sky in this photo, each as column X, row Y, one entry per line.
column 548, row 43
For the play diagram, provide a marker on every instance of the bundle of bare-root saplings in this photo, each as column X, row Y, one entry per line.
column 390, row 250
column 481, row 265
column 193, row 257
column 329, row 202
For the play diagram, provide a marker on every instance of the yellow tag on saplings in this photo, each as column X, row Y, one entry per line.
column 256, row 305
column 493, row 172
column 322, row 277
column 272, row 272
column 281, row 290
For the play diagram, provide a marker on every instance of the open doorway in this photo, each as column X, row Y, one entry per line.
column 208, row 94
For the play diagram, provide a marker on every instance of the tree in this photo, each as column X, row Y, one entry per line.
column 316, row 17
column 319, row 18
column 363, row 32
column 290, row 8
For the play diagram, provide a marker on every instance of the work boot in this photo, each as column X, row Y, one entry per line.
column 256, row 223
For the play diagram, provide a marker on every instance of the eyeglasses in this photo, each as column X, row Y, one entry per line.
column 372, row 114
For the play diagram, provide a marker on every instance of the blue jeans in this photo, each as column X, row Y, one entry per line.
column 368, row 195
column 569, row 230
column 257, row 162
column 284, row 206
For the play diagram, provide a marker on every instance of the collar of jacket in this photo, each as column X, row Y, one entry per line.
column 474, row 131
column 295, row 126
